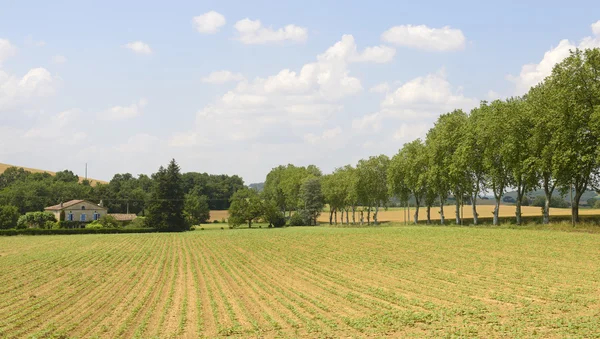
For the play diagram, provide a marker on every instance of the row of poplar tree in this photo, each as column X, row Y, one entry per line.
column 547, row 139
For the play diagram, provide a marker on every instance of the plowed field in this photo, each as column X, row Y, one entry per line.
column 310, row 282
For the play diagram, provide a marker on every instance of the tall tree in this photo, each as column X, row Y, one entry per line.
column 312, row 198
column 407, row 173
column 578, row 80
column 166, row 210
column 371, row 184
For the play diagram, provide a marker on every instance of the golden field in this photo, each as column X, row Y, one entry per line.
column 485, row 211
column 3, row 168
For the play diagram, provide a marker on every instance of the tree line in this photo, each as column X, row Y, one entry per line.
column 547, row 139
column 22, row 191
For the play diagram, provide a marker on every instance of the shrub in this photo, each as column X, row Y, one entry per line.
column 597, row 204
column 36, row 220
column 94, row 225
column 108, row 221
column 9, row 215
column 139, row 222
column 215, row 221
column 300, row 218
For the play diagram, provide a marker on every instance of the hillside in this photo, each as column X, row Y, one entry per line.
column 3, row 167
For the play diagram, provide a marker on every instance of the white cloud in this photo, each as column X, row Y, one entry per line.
column 425, row 38
column 326, row 136
column 409, row 132
column 294, row 101
column 59, row 59
column 252, row 32
column 209, row 22
column 124, row 112
column 383, row 87
column 378, row 54
column 59, row 128
column 139, row 47
column 7, row 50
column 420, row 100
column 14, row 91
column 532, row 74
column 596, row 28
column 221, row 77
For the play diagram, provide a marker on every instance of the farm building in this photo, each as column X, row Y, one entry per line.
column 77, row 210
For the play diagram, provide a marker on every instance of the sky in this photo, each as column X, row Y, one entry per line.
column 240, row 87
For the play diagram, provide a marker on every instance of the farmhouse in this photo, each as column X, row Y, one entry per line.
column 77, row 210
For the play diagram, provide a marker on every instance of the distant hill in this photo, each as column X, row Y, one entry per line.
column 257, row 186
column 3, row 168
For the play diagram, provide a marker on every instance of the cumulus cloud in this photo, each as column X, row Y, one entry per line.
column 532, row 74
column 326, row 136
column 253, row 32
column 124, row 112
column 419, row 100
column 139, row 143
column 425, row 38
column 37, row 82
column 290, row 100
column 139, row 47
column 7, row 50
column 221, row 77
column 209, row 22
column 378, row 54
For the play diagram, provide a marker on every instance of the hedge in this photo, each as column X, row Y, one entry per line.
column 37, row 231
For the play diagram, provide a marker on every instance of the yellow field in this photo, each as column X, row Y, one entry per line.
column 397, row 214
column 317, row 282
column 3, row 168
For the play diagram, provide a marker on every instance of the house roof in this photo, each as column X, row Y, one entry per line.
column 123, row 216
column 69, row 204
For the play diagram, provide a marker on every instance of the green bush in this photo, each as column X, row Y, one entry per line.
column 36, row 220
column 108, row 221
column 139, row 222
column 94, row 225
column 9, row 215
column 300, row 218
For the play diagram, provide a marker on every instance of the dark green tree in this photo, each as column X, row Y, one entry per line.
column 166, row 206
column 312, row 198
column 8, row 217
column 196, row 207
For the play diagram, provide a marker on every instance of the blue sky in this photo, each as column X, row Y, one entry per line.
column 126, row 86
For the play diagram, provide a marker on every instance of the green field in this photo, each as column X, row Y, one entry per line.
column 315, row 282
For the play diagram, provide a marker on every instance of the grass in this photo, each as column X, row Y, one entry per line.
column 408, row 281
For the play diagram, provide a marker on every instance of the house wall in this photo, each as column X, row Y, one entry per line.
column 77, row 211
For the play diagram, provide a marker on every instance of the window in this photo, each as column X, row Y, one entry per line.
column 82, row 218
column 83, row 208
column 96, row 215
column 70, row 216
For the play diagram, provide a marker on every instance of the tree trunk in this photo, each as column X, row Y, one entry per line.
column 375, row 214
column 428, row 215
column 330, row 216
column 369, row 216
column 575, row 206
column 249, row 223
column 416, row 214
column 347, row 219
column 335, row 218
column 442, row 210
column 353, row 215
column 548, row 190
column 496, row 211
column 362, row 216
column 475, row 215
column 457, row 211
